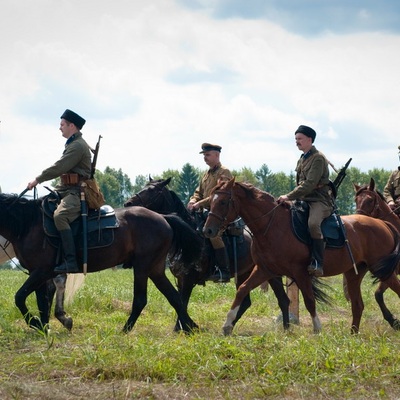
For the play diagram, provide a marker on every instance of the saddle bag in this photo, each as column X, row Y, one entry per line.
column 93, row 195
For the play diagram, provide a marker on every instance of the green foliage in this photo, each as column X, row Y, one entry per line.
column 187, row 182
column 115, row 186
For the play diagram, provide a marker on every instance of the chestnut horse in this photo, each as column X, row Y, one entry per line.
column 371, row 202
column 142, row 240
column 157, row 197
column 277, row 251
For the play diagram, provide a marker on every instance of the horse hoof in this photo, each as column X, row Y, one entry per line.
column 68, row 323
column 227, row 330
column 396, row 325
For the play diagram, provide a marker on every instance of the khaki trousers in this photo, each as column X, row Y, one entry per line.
column 67, row 211
column 318, row 212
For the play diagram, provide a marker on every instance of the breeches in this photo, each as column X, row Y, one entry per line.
column 67, row 211
column 318, row 212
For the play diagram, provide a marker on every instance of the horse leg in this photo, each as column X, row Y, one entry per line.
column 304, row 282
column 354, row 292
column 34, row 282
column 139, row 299
column 167, row 289
column 44, row 300
column 394, row 284
column 246, row 302
column 59, row 312
column 185, row 287
column 255, row 279
column 283, row 299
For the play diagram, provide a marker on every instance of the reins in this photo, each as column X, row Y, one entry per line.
column 231, row 200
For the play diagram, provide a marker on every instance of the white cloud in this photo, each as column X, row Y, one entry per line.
column 156, row 80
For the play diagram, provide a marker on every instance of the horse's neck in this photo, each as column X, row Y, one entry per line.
column 387, row 214
column 260, row 215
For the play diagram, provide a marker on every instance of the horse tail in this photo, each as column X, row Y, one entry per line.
column 188, row 243
column 384, row 268
column 319, row 293
column 74, row 283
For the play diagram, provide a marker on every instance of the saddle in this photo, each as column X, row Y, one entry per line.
column 331, row 227
column 101, row 224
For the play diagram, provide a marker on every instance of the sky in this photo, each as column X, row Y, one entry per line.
column 157, row 78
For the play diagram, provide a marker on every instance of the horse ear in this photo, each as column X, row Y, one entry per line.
column 150, row 178
column 166, row 181
column 356, row 187
column 372, row 184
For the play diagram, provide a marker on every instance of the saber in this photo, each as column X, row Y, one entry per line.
column 84, row 226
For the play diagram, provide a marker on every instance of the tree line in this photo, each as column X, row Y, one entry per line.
column 117, row 186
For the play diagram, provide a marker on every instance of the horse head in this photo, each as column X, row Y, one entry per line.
column 370, row 202
column 155, row 196
column 222, row 209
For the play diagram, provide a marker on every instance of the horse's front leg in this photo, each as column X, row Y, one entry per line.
column 59, row 312
column 35, row 282
column 255, row 279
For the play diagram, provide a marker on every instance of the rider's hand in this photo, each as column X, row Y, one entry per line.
column 282, row 199
column 32, row 184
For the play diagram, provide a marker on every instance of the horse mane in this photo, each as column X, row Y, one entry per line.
column 18, row 213
column 255, row 193
column 180, row 208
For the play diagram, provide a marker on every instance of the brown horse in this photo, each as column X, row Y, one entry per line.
column 277, row 251
column 157, row 197
column 142, row 240
column 371, row 202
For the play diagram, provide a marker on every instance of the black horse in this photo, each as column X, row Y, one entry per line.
column 141, row 239
column 157, row 197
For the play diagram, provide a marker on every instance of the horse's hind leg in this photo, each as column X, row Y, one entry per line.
column 185, row 285
column 394, row 284
column 59, row 312
column 139, row 299
column 167, row 289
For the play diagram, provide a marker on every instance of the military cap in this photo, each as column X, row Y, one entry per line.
column 73, row 117
column 209, row 147
column 306, row 130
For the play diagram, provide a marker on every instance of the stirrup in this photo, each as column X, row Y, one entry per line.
column 315, row 270
column 219, row 277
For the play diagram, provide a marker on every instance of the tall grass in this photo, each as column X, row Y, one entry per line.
column 259, row 360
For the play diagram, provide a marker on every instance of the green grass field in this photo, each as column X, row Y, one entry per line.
column 97, row 361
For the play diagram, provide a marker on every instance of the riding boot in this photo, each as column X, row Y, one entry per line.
column 317, row 258
column 69, row 264
column 222, row 273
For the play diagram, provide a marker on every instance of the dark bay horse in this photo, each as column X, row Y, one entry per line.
column 277, row 251
column 143, row 240
column 157, row 197
column 371, row 202
column 45, row 293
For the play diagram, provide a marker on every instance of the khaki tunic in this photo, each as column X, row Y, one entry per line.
column 391, row 192
column 76, row 158
column 312, row 177
column 208, row 182
column 313, row 187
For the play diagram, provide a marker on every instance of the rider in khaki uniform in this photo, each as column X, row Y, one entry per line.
column 73, row 167
column 201, row 198
column 312, row 176
column 391, row 192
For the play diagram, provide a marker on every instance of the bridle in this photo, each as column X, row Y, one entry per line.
column 376, row 208
column 232, row 201
column 154, row 199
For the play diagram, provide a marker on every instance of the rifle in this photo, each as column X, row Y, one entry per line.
column 95, row 151
column 341, row 175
